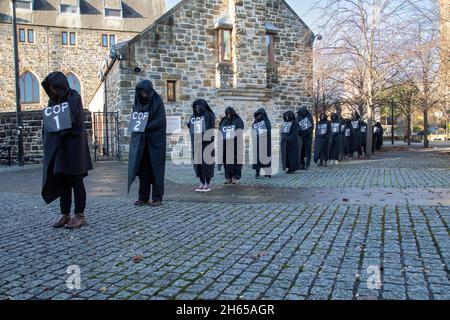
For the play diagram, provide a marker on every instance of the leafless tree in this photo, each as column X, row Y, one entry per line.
column 367, row 40
column 423, row 52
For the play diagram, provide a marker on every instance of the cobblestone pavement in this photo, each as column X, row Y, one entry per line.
column 226, row 251
column 231, row 249
column 411, row 169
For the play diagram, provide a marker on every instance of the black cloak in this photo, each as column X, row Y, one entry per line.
column 322, row 141
column 233, row 127
column 356, row 127
column 154, row 136
column 348, row 138
column 305, row 132
column 342, row 140
column 65, row 152
column 378, row 134
column 261, row 116
column 206, row 120
column 364, row 136
column 335, row 138
column 290, row 153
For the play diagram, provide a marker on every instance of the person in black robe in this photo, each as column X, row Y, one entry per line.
column 202, row 120
column 232, row 145
column 147, row 157
column 364, row 138
column 348, row 138
column 356, row 126
column 290, row 154
column 335, row 139
column 322, row 141
column 262, row 143
column 305, row 132
column 342, row 140
column 67, row 158
column 378, row 133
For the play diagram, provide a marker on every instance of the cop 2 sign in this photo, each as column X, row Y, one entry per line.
column 57, row 118
column 138, row 121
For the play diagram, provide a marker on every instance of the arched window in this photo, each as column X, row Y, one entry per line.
column 29, row 88
column 74, row 83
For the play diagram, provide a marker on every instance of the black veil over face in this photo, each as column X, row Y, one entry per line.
column 303, row 112
column 61, row 89
column 230, row 110
column 144, row 93
column 200, row 107
column 289, row 116
column 335, row 117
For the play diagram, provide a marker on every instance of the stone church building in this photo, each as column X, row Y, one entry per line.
column 72, row 36
column 246, row 54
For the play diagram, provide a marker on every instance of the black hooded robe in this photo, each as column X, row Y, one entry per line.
column 259, row 139
column 335, row 138
column 356, row 126
column 153, row 140
column 364, row 137
column 348, row 139
column 378, row 134
column 232, row 137
column 305, row 132
column 207, row 120
column 342, row 141
column 322, row 141
column 290, row 152
column 65, row 152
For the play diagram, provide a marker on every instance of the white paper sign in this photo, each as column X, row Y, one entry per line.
column 57, row 118
column 173, row 124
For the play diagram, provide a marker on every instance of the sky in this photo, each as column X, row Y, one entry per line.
column 302, row 7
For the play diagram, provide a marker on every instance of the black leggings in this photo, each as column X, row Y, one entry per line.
column 75, row 183
column 205, row 180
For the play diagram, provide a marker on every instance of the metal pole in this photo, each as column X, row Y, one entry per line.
column 392, row 121
column 20, row 151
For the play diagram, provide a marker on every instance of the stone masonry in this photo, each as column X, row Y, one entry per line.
column 32, row 123
column 183, row 46
column 48, row 54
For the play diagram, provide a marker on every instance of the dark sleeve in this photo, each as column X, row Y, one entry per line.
column 158, row 121
column 188, row 124
column 210, row 122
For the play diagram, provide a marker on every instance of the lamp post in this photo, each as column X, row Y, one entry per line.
column 20, row 152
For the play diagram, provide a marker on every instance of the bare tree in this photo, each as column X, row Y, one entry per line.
column 366, row 36
column 423, row 49
column 326, row 91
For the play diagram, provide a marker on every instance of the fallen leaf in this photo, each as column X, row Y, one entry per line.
column 345, row 200
column 137, row 259
column 103, row 289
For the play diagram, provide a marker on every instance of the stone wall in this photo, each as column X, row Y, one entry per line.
column 47, row 54
column 184, row 47
column 32, row 134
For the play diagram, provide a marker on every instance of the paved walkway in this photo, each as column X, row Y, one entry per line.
column 266, row 242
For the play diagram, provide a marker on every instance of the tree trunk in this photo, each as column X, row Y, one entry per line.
column 408, row 132
column 426, row 142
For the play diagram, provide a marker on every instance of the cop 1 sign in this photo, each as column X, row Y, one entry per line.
column 57, row 118
column 138, row 121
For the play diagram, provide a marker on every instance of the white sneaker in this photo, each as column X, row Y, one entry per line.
column 200, row 188
column 206, row 188
column 336, row 162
